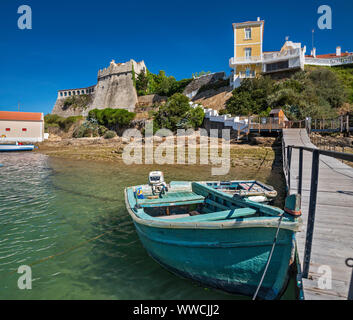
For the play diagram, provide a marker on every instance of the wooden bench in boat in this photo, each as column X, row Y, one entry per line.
column 221, row 215
column 172, row 199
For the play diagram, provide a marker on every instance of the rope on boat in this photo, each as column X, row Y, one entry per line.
column 269, row 258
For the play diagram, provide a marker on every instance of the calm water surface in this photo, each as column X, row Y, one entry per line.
column 75, row 211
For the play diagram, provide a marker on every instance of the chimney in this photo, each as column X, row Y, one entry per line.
column 338, row 51
column 314, row 52
column 258, row 19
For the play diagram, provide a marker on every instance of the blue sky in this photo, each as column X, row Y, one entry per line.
column 71, row 40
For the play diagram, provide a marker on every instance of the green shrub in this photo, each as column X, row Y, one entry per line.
column 66, row 123
column 215, row 85
column 177, row 114
column 110, row 134
column 78, row 102
column 53, row 120
column 89, row 129
column 149, row 83
column 112, row 118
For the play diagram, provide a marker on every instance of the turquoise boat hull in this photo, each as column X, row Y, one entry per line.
column 232, row 260
column 221, row 251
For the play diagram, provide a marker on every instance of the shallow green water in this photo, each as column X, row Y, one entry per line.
column 50, row 207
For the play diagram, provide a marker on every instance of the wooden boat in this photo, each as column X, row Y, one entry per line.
column 221, row 241
column 253, row 190
column 16, row 147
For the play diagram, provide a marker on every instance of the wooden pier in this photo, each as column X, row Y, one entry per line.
column 326, row 243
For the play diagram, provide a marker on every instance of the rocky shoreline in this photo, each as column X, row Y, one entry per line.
column 261, row 153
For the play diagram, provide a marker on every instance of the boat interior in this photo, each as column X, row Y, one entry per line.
column 195, row 203
column 250, row 186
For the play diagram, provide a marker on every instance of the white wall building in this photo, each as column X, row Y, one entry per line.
column 21, row 127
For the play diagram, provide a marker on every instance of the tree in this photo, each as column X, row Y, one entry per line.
column 142, row 83
column 329, row 87
column 177, row 114
column 113, row 119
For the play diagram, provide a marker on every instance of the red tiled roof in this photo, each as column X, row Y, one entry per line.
column 331, row 55
column 20, row 116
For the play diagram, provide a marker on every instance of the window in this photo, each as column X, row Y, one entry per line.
column 248, row 72
column 61, row 94
column 247, row 52
column 7, row 129
column 24, row 129
column 247, row 33
column 277, row 66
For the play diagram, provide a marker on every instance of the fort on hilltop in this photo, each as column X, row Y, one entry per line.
column 114, row 89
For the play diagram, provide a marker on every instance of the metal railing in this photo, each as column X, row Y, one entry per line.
column 329, row 62
column 287, row 161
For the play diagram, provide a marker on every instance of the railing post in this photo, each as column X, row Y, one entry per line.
column 312, row 210
column 289, row 160
column 350, row 291
column 300, row 182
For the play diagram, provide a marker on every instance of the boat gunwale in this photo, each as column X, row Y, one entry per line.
column 270, row 222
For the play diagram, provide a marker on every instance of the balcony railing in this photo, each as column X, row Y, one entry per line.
column 244, row 60
column 273, row 56
column 267, row 57
column 329, row 62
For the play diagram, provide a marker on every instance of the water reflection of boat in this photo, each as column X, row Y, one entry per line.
column 16, row 147
column 221, row 241
column 251, row 189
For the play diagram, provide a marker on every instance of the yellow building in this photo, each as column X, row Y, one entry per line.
column 248, row 40
column 249, row 59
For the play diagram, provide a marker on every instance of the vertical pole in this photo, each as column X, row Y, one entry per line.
column 350, row 292
column 312, row 211
column 347, row 124
column 300, row 182
column 289, row 160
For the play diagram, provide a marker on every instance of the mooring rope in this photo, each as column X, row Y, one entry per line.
column 269, row 258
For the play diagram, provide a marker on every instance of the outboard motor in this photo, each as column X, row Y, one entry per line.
column 157, row 183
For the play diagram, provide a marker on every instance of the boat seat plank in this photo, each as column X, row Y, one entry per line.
column 221, row 215
column 172, row 199
column 216, row 204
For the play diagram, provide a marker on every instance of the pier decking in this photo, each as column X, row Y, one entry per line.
column 333, row 231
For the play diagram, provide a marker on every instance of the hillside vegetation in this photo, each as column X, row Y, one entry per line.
column 149, row 83
column 316, row 92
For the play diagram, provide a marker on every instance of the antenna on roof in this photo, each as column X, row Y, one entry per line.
column 287, row 38
column 18, row 106
column 312, row 41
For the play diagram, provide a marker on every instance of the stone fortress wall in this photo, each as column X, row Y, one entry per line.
column 114, row 89
column 63, row 94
